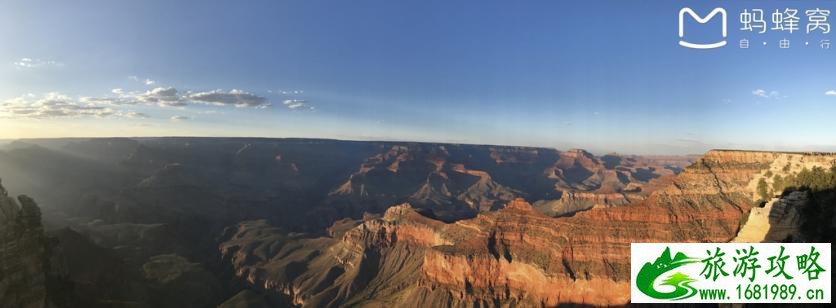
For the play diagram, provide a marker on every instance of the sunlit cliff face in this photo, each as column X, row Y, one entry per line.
column 319, row 221
column 512, row 255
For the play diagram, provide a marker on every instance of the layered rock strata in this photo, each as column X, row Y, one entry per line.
column 513, row 256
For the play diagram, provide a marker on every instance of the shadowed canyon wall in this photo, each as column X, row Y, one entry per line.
column 198, row 222
column 515, row 255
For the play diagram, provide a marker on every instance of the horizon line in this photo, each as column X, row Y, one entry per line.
column 414, row 142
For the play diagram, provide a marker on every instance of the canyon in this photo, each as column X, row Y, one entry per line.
column 254, row 222
column 515, row 255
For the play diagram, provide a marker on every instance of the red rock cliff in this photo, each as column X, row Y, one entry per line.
column 512, row 256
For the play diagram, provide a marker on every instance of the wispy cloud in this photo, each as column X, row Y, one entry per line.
column 234, row 97
column 286, row 92
column 163, row 96
column 30, row 63
column 57, row 105
column 136, row 115
column 830, row 93
column 689, row 141
column 179, row 118
column 297, row 104
column 146, row 81
column 767, row 94
column 171, row 97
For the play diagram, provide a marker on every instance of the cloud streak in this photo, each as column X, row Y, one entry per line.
column 171, row 97
column 234, row 97
column 56, row 105
column 146, row 81
column 286, row 92
column 117, row 104
column 767, row 94
column 830, row 93
column 163, row 96
column 297, row 104
column 30, row 63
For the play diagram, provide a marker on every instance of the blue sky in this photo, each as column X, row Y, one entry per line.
column 601, row 75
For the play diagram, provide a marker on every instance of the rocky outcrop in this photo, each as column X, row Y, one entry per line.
column 779, row 220
column 439, row 178
column 176, row 282
column 782, row 165
column 572, row 202
column 23, row 253
column 160, row 203
column 65, row 268
column 513, row 256
column 781, row 216
column 458, row 181
column 307, row 184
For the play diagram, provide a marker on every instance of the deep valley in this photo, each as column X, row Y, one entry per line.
column 256, row 222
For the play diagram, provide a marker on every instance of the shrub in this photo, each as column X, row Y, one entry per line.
column 763, row 189
column 778, row 184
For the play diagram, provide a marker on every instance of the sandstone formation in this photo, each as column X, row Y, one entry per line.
column 456, row 181
column 784, row 164
column 779, row 220
column 168, row 222
column 307, row 185
column 515, row 255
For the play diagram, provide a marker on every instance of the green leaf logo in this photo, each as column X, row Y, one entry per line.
column 664, row 264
